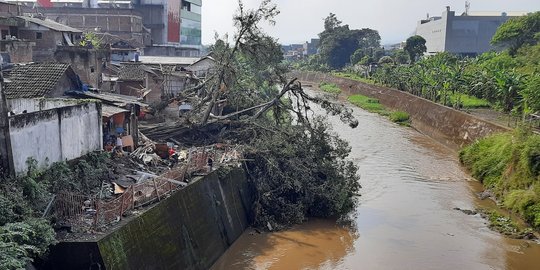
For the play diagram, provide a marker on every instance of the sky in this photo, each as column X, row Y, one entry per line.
column 301, row 20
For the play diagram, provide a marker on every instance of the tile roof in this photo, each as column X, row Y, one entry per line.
column 33, row 80
column 51, row 24
column 131, row 72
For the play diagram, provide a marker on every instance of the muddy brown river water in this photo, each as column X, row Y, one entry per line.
column 405, row 218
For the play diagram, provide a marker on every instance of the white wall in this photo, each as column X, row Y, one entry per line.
column 55, row 135
column 38, row 104
column 434, row 32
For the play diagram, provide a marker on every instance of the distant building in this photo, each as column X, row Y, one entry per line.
column 171, row 27
column 467, row 35
column 311, row 48
column 175, row 26
column 48, row 36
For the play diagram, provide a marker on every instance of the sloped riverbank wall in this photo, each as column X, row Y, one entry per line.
column 190, row 229
column 451, row 127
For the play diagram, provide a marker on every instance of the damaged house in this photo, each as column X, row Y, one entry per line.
column 151, row 83
column 48, row 35
column 120, row 115
column 42, row 126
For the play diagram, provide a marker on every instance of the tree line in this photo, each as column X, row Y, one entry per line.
column 507, row 79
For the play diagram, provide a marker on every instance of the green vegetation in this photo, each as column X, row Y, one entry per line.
column 468, row 102
column 341, row 45
column 415, row 46
column 298, row 168
column 368, row 104
column 91, row 40
column 507, row 80
column 353, row 76
column 24, row 236
column 518, row 32
column 373, row 105
column 330, row 88
column 504, row 224
column 399, row 117
column 509, row 165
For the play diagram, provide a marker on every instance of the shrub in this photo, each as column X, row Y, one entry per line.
column 399, row 117
column 367, row 103
column 509, row 164
column 330, row 88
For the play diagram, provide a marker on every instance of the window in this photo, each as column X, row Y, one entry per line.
column 186, row 5
column 39, row 35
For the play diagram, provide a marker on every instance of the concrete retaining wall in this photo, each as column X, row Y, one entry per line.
column 189, row 230
column 448, row 126
column 55, row 135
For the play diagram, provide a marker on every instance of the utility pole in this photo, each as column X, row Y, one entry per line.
column 6, row 156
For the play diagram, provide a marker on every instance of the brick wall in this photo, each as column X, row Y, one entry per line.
column 155, row 84
column 46, row 46
column 19, row 51
column 87, row 63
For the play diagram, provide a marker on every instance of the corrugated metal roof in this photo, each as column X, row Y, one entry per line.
column 50, row 24
column 116, row 99
column 108, row 111
column 168, row 60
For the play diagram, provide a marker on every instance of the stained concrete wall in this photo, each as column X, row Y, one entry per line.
column 189, row 230
column 448, row 126
column 55, row 135
column 38, row 104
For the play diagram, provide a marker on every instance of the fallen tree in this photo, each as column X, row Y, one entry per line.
column 297, row 166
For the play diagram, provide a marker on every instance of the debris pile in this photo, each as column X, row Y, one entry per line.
column 161, row 169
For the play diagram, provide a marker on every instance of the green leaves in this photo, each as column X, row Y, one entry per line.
column 517, row 32
column 22, row 241
column 415, row 46
column 341, row 45
column 300, row 173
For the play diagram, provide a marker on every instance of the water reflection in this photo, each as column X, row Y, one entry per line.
column 324, row 242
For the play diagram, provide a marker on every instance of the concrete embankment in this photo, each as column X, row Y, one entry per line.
column 451, row 127
column 190, row 229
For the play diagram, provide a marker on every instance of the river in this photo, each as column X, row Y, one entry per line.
column 405, row 217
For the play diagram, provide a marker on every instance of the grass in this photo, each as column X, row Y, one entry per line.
column 399, row 117
column 373, row 105
column 504, row 224
column 469, row 102
column 330, row 88
column 353, row 76
column 368, row 104
column 509, row 165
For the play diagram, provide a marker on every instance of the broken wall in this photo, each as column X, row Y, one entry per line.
column 87, row 63
column 53, row 135
column 190, row 229
column 18, row 51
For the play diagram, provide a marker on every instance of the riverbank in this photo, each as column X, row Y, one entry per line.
column 509, row 165
column 405, row 218
column 520, row 196
column 448, row 126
